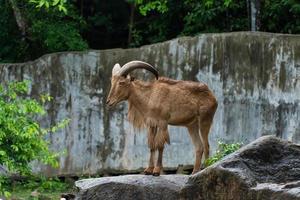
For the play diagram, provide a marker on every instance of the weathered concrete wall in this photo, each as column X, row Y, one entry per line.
column 255, row 77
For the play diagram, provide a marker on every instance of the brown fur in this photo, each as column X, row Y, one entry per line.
column 155, row 105
column 185, row 85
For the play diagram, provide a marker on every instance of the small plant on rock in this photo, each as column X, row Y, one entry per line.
column 223, row 150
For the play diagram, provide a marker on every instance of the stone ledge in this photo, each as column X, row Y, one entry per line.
column 266, row 169
column 132, row 187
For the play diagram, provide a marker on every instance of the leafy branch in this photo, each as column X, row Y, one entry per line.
column 21, row 136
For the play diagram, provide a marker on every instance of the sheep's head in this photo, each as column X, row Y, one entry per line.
column 120, row 82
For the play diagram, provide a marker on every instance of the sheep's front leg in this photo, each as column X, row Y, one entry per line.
column 161, row 138
column 150, row 168
column 158, row 167
column 151, row 143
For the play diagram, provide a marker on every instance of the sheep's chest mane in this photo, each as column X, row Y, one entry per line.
column 135, row 117
column 136, row 103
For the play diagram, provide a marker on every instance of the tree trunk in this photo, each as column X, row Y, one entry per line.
column 258, row 6
column 255, row 15
column 21, row 21
column 81, row 8
column 131, row 21
column 248, row 14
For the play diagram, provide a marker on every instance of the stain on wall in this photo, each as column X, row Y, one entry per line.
column 255, row 77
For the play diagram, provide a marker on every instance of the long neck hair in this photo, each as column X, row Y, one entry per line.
column 137, row 103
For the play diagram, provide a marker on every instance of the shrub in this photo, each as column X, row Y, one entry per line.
column 222, row 151
column 21, row 136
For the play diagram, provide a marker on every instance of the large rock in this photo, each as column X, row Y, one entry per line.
column 268, row 168
column 132, row 187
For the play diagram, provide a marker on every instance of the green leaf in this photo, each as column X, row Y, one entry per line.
column 2, row 153
column 7, row 194
column 55, row 2
column 41, row 3
column 47, row 4
column 61, row 7
column 227, row 3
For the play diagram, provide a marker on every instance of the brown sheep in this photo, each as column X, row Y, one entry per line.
column 155, row 105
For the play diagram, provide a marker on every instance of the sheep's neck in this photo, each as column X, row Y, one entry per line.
column 139, row 95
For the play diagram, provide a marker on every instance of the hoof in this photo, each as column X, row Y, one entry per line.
column 156, row 171
column 156, row 174
column 148, row 171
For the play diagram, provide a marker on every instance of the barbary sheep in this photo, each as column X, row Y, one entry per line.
column 155, row 105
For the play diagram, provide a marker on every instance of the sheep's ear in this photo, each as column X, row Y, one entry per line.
column 116, row 69
column 131, row 78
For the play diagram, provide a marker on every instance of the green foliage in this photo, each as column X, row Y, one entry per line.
column 188, row 17
column 13, row 48
column 54, row 31
column 147, row 6
column 215, row 16
column 159, row 25
column 4, row 186
column 48, row 188
column 202, row 16
column 48, row 30
column 41, row 184
column 61, row 25
column 281, row 16
column 222, row 151
column 21, row 136
column 59, row 4
column 137, row 38
column 57, row 36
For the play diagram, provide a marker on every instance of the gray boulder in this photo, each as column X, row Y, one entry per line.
column 268, row 168
column 130, row 187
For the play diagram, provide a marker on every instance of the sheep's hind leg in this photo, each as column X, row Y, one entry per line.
column 196, row 140
column 204, row 129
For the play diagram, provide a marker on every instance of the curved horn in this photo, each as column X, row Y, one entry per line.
column 130, row 66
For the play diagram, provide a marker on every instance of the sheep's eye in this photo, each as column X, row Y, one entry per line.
column 121, row 82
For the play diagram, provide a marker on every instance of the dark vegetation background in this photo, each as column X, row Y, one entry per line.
column 31, row 28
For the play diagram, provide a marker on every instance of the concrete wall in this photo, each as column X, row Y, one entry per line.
column 255, row 77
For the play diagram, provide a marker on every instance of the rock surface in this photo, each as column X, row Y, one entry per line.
column 132, row 187
column 266, row 169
